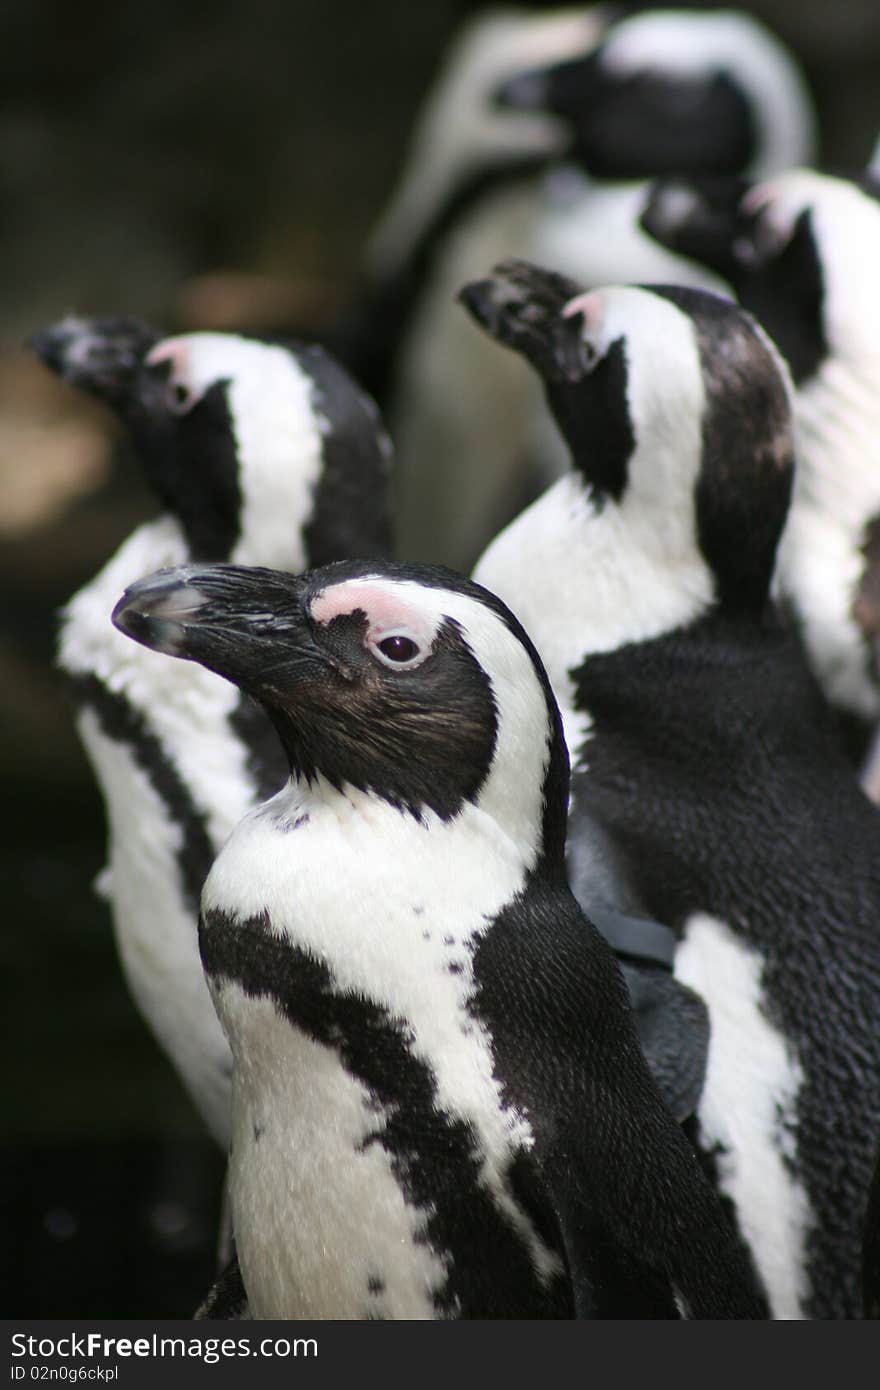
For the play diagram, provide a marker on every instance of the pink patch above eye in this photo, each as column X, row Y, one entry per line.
column 589, row 305
column 385, row 610
column 171, row 350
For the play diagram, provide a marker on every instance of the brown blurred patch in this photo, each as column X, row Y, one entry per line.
column 230, row 300
column 55, row 446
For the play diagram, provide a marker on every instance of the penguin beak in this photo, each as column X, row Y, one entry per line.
column 527, row 91
column 704, row 219
column 563, row 89
column 249, row 625
column 520, row 305
column 100, row 355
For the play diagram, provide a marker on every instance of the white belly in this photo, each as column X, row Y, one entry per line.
column 322, row 1228
column 748, row 1108
column 156, row 932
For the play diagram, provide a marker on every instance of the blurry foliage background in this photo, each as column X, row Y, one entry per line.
column 148, row 154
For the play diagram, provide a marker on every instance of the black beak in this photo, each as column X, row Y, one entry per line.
column 565, row 89
column 520, row 305
column 704, row 220
column 527, row 91
column 248, row 625
column 100, row 355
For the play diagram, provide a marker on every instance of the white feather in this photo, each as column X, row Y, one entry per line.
column 837, row 416
column 748, row 1109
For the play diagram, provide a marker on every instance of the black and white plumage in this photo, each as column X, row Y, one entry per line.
column 799, row 251
column 441, row 1109
column 668, row 91
column 677, row 91
column 601, row 105
column 702, row 749
column 257, row 452
column 465, row 195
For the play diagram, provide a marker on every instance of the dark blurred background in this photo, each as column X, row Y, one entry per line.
column 203, row 165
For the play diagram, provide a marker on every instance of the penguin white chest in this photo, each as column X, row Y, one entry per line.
column 326, row 1219
column 323, row 1229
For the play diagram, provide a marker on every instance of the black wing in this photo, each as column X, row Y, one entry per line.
column 642, row 1231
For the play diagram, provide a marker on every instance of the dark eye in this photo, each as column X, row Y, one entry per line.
column 398, row 648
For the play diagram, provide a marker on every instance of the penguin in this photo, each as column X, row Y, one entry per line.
column 614, row 102
column 666, row 92
column 256, row 451
column 701, row 746
column 440, row 1107
column 706, row 93
column 465, row 194
column 798, row 250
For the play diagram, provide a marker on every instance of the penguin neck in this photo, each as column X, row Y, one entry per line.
column 821, row 558
column 253, row 449
column 598, row 576
column 407, row 260
column 416, row 224
column 511, row 824
column 351, row 854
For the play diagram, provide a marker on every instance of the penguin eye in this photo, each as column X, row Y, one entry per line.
column 396, row 649
column 180, row 397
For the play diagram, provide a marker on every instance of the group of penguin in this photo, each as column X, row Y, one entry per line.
column 519, row 934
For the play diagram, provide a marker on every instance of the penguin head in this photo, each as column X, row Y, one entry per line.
column 406, row 682
column 800, row 251
column 465, row 137
column 236, row 435
column 701, row 218
column 674, row 90
column 675, row 407
column 102, row 356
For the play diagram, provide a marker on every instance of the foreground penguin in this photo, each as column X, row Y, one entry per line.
column 800, row 251
column 703, row 753
column 257, row 452
column 440, row 1106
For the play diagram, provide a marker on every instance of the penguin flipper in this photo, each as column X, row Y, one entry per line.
column 227, row 1299
column 673, row 1027
column 604, row 1283
column 672, row 1021
column 638, row 1223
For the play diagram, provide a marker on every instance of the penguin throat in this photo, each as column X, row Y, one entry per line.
column 597, row 578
